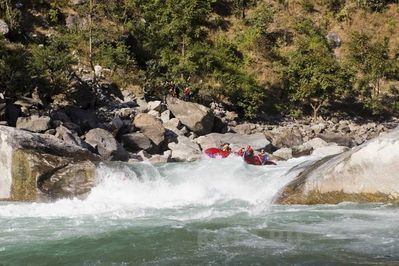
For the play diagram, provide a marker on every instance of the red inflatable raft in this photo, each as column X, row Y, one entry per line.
column 216, row 153
column 257, row 160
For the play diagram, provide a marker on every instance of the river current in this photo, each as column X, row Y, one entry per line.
column 213, row 212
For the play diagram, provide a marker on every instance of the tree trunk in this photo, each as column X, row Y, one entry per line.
column 316, row 108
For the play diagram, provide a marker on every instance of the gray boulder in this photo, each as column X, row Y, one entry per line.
column 342, row 140
column 106, row 145
column 367, row 173
column 30, row 160
column 69, row 137
column 155, row 105
column 285, row 137
column 185, row 150
column 85, row 119
column 165, row 116
column 151, row 127
column 196, row 117
column 257, row 141
column 135, row 142
column 283, row 153
column 164, row 158
column 34, row 123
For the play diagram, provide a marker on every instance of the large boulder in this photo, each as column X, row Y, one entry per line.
column 36, row 167
column 342, row 140
column 367, row 173
column 257, row 141
column 285, row 137
column 135, row 142
column 34, row 123
column 70, row 137
column 106, row 145
column 151, row 127
column 196, row 117
column 185, row 150
column 86, row 119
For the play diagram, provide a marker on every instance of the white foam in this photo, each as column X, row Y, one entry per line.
column 131, row 190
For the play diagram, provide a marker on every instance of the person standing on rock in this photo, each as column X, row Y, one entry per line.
column 177, row 90
column 187, row 93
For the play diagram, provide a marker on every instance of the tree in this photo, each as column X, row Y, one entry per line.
column 370, row 60
column 313, row 73
column 51, row 65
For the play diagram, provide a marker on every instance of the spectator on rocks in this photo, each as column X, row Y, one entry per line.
column 177, row 91
column 187, row 93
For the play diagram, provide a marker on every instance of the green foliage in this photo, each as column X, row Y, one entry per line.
column 15, row 77
column 369, row 59
column 51, row 65
column 375, row 5
column 308, row 6
column 334, row 6
column 312, row 72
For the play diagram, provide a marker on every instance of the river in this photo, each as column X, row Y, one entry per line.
column 213, row 212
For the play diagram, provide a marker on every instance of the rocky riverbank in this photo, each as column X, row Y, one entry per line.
column 50, row 150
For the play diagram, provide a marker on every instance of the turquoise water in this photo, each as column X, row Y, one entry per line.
column 213, row 212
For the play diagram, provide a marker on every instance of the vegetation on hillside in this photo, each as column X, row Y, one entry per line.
column 259, row 56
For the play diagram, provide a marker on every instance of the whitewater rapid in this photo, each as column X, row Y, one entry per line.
column 213, row 212
column 127, row 190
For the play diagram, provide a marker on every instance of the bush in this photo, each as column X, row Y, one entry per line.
column 308, row 6
column 51, row 65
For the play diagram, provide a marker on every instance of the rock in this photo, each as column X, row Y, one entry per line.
column 154, row 113
column 71, row 181
column 172, row 124
column 29, row 160
column 316, row 143
column 231, row 116
column 75, row 22
column 125, row 113
column 337, row 138
column 4, row 29
column 245, row 128
column 284, row 153
column 257, row 141
column 367, row 173
column 318, row 128
column 151, row 127
column 219, row 126
column 333, row 40
column 287, row 137
column 185, row 150
column 34, row 123
column 83, row 118
column 165, row 116
column 301, row 150
column 155, row 105
column 60, row 116
column 78, row 2
column 106, row 145
column 164, row 158
column 196, row 117
column 135, row 142
column 144, row 155
column 329, row 150
column 69, row 137
column 3, row 111
column 143, row 106
column 12, row 113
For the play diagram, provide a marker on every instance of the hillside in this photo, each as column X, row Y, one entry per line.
column 259, row 57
